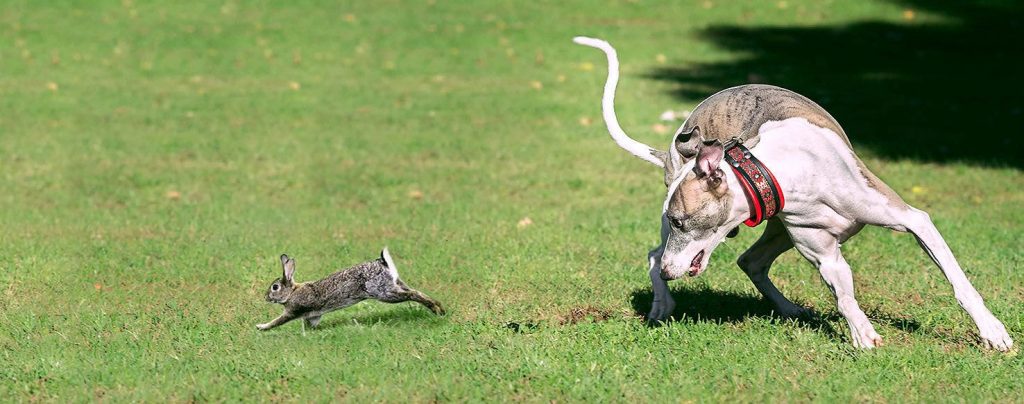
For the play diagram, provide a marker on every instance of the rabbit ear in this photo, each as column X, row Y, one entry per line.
column 289, row 267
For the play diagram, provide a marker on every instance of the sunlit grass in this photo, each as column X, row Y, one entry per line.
column 156, row 158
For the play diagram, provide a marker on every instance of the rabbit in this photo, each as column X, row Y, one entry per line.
column 377, row 279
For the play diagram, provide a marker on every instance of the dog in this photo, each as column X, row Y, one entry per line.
column 759, row 153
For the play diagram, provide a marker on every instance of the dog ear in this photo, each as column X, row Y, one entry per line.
column 709, row 156
column 687, row 142
column 683, row 148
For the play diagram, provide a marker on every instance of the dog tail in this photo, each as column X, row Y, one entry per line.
column 638, row 149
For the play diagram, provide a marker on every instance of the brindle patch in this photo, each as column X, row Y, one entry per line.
column 740, row 111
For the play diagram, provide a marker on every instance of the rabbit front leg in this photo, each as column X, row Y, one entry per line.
column 283, row 318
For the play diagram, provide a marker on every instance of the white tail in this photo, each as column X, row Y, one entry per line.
column 608, row 105
column 390, row 263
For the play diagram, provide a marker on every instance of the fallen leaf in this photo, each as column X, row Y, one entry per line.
column 660, row 128
column 97, row 286
column 586, row 66
column 294, row 85
column 670, row 115
column 524, row 222
column 661, row 58
column 536, row 85
column 918, row 190
column 416, row 194
column 585, row 121
column 51, row 86
column 173, row 195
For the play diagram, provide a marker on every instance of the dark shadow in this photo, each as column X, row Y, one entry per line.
column 714, row 306
column 936, row 92
column 385, row 315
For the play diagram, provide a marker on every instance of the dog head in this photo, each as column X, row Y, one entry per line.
column 699, row 209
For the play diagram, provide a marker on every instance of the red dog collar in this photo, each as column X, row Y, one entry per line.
column 762, row 190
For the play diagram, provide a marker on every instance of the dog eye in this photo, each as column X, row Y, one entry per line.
column 676, row 222
column 275, row 287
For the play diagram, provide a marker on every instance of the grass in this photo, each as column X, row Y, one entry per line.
column 156, row 158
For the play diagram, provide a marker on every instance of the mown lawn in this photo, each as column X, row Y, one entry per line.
column 156, row 158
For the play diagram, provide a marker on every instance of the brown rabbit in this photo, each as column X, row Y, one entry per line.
column 377, row 279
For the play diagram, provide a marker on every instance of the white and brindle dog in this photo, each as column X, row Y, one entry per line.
column 829, row 195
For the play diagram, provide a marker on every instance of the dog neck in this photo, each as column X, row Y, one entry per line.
column 764, row 195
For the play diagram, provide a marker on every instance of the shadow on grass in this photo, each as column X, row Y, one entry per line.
column 930, row 91
column 714, row 306
column 384, row 314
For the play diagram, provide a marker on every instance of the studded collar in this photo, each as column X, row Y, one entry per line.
column 762, row 190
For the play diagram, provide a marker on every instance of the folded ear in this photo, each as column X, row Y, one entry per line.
column 709, row 156
column 687, row 143
column 684, row 148
column 289, row 267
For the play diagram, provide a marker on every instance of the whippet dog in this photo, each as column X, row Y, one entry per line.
column 757, row 153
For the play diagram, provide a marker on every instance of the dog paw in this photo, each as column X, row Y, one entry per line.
column 794, row 312
column 994, row 336
column 661, row 310
column 865, row 337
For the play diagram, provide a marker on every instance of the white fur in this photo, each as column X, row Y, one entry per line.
column 828, row 200
column 392, row 269
column 608, row 104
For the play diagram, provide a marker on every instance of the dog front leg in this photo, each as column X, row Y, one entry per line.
column 822, row 249
column 756, row 261
column 663, row 304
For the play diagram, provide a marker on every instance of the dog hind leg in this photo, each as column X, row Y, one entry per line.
column 918, row 223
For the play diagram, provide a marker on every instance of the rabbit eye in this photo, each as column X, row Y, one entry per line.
column 275, row 287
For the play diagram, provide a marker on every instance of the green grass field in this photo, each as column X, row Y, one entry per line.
column 157, row 157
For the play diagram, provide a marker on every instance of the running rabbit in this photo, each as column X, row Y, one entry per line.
column 377, row 279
